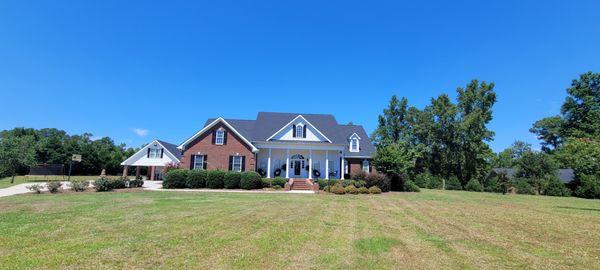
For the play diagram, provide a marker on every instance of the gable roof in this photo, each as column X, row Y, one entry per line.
column 564, row 175
column 292, row 121
column 170, row 148
column 211, row 124
column 268, row 123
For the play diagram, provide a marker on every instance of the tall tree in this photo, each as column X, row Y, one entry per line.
column 15, row 154
column 549, row 131
column 581, row 110
column 508, row 157
column 392, row 125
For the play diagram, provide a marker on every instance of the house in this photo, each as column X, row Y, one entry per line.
column 155, row 155
column 290, row 145
column 564, row 175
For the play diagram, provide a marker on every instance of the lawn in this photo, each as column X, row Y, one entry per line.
column 5, row 182
column 432, row 229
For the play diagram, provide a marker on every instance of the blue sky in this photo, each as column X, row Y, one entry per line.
column 135, row 71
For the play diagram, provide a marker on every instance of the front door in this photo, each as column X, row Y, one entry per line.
column 297, row 167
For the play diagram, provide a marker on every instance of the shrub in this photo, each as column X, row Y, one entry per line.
column 523, row 187
column 556, row 188
column 137, row 183
column 474, row 185
column 118, row 183
column 453, row 183
column 103, row 184
column 363, row 190
column 324, row 182
column 589, row 187
column 422, row 180
column 278, row 182
column 359, row 176
column 337, row 189
column 214, row 179
column 277, row 187
column 379, row 180
column 492, row 185
column 232, row 180
column 196, row 179
column 54, row 186
column 250, row 180
column 37, row 188
column 355, row 183
column 175, row 178
column 267, row 182
column 410, row 186
column 374, row 190
column 79, row 186
column 351, row 189
column 435, row 182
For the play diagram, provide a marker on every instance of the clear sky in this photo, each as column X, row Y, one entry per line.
column 135, row 71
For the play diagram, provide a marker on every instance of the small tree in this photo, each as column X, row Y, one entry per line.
column 16, row 153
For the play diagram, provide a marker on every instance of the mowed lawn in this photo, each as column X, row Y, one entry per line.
column 431, row 229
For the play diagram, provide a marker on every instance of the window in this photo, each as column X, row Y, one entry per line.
column 354, row 145
column 154, row 153
column 317, row 165
column 236, row 163
column 198, row 162
column 345, row 162
column 365, row 166
column 220, row 137
column 331, row 166
column 299, row 131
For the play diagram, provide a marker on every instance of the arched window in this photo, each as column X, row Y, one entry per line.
column 354, row 145
column 299, row 131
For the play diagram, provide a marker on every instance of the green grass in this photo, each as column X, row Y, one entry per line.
column 432, row 230
column 5, row 182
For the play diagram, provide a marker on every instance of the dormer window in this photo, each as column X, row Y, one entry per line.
column 220, row 137
column 299, row 131
column 354, row 143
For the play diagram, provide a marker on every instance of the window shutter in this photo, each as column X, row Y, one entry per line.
column 148, row 154
column 304, row 132
column 230, row 163
column 294, row 131
column 243, row 163
column 192, row 161
column 224, row 137
column 162, row 151
column 214, row 136
column 204, row 163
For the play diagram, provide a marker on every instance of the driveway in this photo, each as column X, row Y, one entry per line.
column 22, row 188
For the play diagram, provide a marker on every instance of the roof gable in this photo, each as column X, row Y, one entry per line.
column 170, row 153
column 313, row 133
column 213, row 123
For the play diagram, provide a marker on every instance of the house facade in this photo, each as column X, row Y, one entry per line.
column 280, row 145
column 155, row 156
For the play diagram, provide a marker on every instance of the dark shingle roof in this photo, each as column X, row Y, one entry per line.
column 564, row 175
column 171, row 148
column 267, row 123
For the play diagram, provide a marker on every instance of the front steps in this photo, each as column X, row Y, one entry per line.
column 301, row 184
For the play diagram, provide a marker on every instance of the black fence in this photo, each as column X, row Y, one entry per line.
column 47, row 169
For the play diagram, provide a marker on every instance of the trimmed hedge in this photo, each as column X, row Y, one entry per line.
column 196, row 179
column 278, row 181
column 250, row 180
column 215, row 179
column 351, row 189
column 176, row 178
column 232, row 180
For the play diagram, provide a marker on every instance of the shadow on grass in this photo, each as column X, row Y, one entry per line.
column 579, row 208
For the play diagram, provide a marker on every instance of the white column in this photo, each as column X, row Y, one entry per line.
column 310, row 164
column 326, row 164
column 269, row 165
column 343, row 167
column 287, row 163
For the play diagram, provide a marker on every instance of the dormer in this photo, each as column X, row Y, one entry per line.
column 354, row 143
column 299, row 129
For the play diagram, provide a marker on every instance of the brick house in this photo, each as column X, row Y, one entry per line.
column 310, row 145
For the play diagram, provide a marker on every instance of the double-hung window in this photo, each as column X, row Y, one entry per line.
column 354, row 145
column 220, row 137
column 154, row 153
column 236, row 163
column 365, row 166
column 299, row 131
column 198, row 162
column 331, row 166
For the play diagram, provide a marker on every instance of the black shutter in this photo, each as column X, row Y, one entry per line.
column 192, row 161
column 304, row 132
column 294, row 131
column 162, row 150
column 214, row 136
column 230, row 163
column 148, row 154
column 224, row 137
column 243, row 163
column 204, row 163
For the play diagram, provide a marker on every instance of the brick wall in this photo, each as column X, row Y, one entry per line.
column 355, row 165
column 218, row 155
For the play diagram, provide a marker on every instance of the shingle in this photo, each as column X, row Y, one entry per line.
column 171, row 148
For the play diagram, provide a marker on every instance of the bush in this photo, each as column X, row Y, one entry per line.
column 474, row 185
column 556, row 188
column 374, row 190
column 137, row 183
column 175, row 178
column 196, row 179
column 278, row 182
column 214, row 179
column 422, row 180
column 337, row 189
column 379, row 180
column 79, row 186
column 54, row 186
column 355, row 183
column 103, row 184
column 324, row 183
column 37, row 188
column 250, row 180
column 523, row 187
column 359, row 176
column 410, row 186
column 118, row 183
column 363, row 190
column 491, row 185
column 453, row 183
column 435, row 182
column 589, row 187
column 351, row 189
column 232, row 180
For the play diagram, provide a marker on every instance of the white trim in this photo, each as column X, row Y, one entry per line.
column 356, row 136
column 222, row 132
column 359, row 156
column 165, row 150
column 209, row 126
column 357, row 145
column 362, row 165
column 293, row 120
column 196, row 162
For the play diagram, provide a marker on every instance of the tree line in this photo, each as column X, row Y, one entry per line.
column 449, row 140
column 21, row 148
